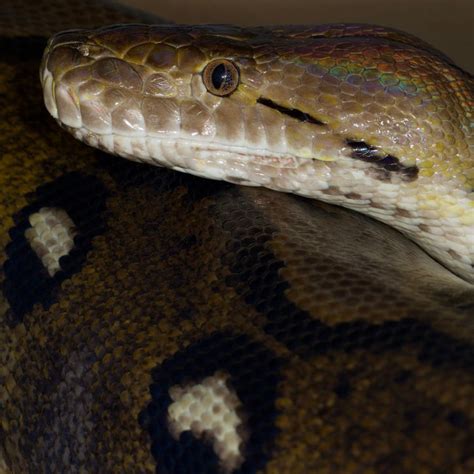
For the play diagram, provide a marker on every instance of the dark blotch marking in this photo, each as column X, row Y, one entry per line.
column 294, row 113
column 402, row 377
column 254, row 374
column 458, row 419
column 27, row 282
column 353, row 196
column 188, row 242
column 343, row 387
column 370, row 154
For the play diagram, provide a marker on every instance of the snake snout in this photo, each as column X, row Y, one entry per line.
column 83, row 82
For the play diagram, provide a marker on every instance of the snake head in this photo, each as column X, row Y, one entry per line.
column 361, row 116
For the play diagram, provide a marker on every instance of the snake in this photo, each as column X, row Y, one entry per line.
column 360, row 116
column 155, row 320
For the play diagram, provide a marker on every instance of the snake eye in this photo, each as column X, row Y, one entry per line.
column 221, row 77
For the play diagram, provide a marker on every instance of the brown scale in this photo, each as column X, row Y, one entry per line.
column 374, row 340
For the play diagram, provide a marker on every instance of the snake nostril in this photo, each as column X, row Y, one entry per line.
column 84, row 49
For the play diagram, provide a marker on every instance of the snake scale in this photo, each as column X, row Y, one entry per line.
column 154, row 321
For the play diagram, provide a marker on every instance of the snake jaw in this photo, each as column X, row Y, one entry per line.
column 342, row 134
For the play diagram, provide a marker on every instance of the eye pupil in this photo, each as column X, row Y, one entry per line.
column 221, row 77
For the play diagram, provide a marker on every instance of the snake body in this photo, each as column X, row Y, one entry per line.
column 153, row 321
column 362, row 116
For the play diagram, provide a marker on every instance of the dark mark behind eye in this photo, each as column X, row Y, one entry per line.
column 360, row 150
column 295, row 113
column 368, row 153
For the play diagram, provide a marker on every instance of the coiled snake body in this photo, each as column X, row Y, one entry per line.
column 155, row 321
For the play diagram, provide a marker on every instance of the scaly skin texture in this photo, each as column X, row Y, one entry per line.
column 390, row 128
column 343, row 346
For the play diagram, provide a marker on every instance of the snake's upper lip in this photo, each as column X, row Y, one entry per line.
column 48, row 91
column 68, row 107
column 60, row 101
